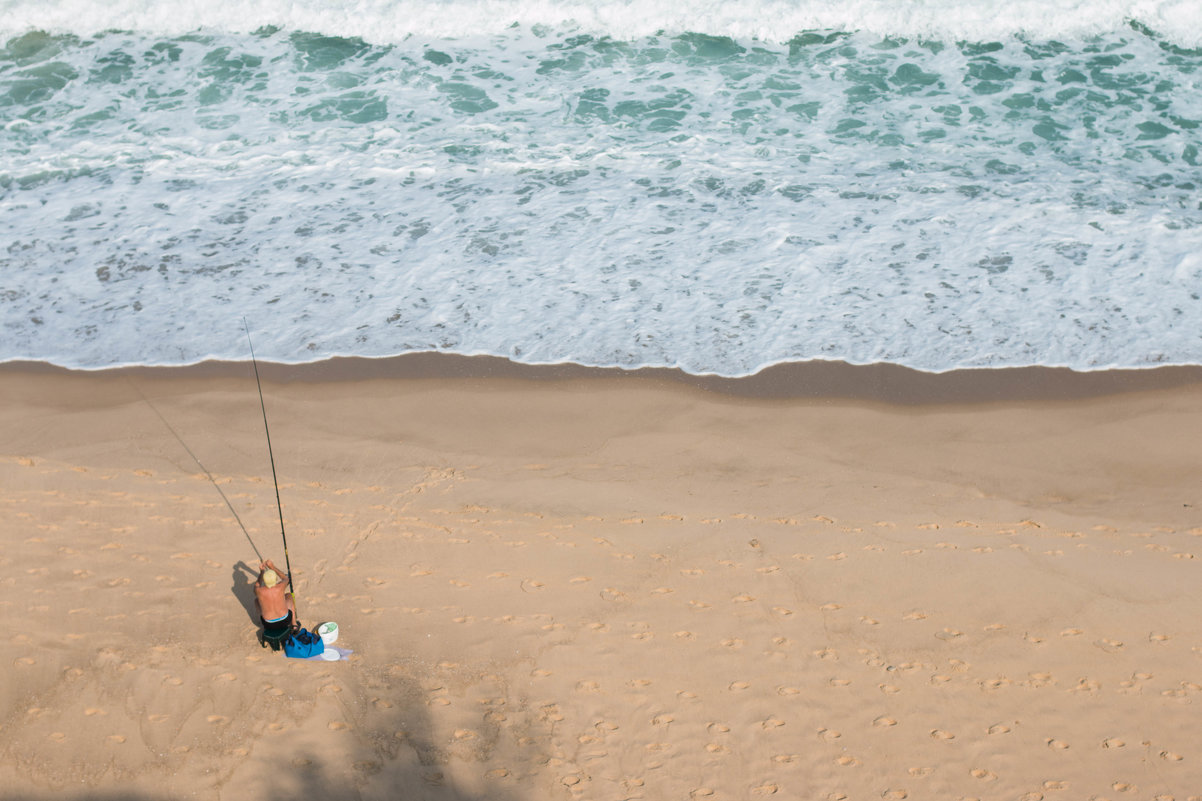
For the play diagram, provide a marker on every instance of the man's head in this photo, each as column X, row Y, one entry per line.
column 270, row 578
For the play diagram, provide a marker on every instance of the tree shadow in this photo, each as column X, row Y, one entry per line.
column 395, row 754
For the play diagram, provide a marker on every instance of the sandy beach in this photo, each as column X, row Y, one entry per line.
column 822, row 582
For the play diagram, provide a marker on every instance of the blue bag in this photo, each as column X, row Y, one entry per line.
column 303, row 644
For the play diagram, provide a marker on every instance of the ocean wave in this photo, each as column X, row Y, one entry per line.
column 774, row 21
column 681, row 200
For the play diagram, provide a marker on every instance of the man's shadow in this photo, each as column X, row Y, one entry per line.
column 244, row 578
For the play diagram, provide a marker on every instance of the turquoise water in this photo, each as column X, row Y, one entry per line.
column 716, row 198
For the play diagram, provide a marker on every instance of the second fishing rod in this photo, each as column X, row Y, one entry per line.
column 274, row 480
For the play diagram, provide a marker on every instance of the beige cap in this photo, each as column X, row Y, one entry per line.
column 270, row 578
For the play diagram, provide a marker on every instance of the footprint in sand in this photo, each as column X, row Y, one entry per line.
column 771, row 723
column 1056, row 745
column 998, row 728
column 983, row 775
column 884, row 722
column 717, row 748
column 940, row 734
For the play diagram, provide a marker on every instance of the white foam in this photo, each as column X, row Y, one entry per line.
column 392, row 21
column 152, row 218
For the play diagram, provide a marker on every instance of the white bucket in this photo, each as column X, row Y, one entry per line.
column 328, row 632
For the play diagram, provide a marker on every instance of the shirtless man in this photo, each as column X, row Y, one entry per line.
column 276, row 608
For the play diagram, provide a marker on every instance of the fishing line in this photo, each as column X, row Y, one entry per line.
column 204, row 469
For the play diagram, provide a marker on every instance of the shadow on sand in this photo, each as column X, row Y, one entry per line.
column 380, row 764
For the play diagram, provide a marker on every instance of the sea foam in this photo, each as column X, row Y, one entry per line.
column 774, row 21
column 712, row 202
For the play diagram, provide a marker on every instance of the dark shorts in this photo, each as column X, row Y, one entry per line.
column 278, row 626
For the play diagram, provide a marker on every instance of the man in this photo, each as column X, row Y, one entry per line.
column 275, row 605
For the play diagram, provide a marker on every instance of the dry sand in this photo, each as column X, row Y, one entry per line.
column 821, row 583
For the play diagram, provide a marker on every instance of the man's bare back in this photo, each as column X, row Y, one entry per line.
column 271, row 594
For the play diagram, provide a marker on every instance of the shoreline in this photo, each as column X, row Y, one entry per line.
column 880, row 382
column 562, row 583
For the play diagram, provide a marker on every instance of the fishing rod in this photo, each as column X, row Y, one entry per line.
column 274, row 480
